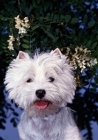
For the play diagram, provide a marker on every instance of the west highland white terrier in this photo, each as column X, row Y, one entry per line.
column 42, row 86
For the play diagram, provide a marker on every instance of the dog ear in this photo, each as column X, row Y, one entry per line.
column 22, row 55
column 57, row 52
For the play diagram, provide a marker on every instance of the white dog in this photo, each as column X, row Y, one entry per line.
column 43, row 86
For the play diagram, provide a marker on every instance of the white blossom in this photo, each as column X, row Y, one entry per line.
column 22, row 30
column 21, row 25
column 10, row 42
column 81, row 58
column 10, row 47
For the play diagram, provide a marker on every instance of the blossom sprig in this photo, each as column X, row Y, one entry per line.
column 10, row 42
column 22, row 24
column 80, row 58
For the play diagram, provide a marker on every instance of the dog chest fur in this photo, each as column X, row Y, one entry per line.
column 52, row 127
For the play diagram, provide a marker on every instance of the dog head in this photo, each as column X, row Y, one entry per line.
column 40, row 85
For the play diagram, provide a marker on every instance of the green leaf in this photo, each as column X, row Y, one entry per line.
column 26, row 41
column 56, row 18
column 1, row 17
column 46, row 6
column 62, row 17
column 91, row 23
column 94, row 45
column 34, row 27
column 89, row 43
column 25, row 46
column 74, row 20
column 48, row 15
column 67, row 18
column 49, row 34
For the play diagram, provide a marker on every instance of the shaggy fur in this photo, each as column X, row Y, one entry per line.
column 43, row 86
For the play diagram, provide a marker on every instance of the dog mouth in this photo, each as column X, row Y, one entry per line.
column 41, row 104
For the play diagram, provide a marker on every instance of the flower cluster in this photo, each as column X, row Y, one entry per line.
column 10, row 42
column 22, row 25
column 80, row 58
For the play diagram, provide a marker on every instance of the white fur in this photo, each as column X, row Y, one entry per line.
column 55, row 122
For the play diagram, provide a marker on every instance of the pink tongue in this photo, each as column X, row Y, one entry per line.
column 41, row 104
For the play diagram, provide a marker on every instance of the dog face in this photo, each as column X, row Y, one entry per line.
column 40, row 85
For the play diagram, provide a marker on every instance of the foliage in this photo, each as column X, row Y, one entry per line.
column 53, row 23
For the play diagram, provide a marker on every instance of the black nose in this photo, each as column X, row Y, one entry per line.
column 40, row 93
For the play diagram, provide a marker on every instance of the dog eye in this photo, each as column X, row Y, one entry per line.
column 51, row 79
column 29, row 80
